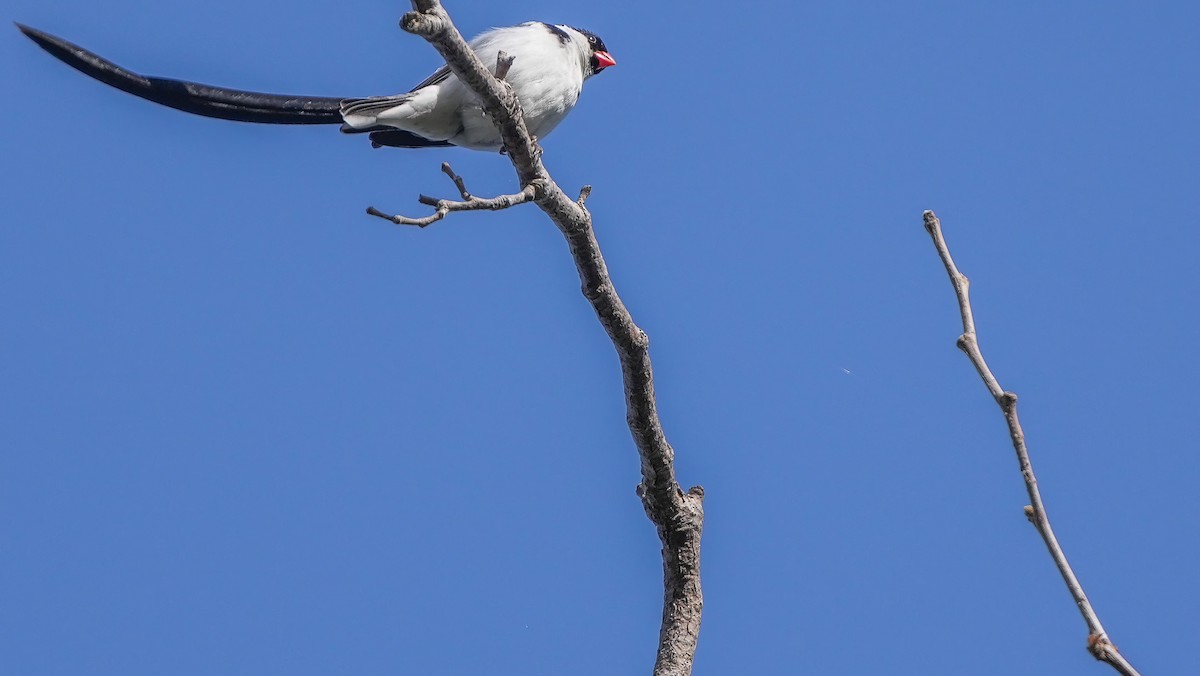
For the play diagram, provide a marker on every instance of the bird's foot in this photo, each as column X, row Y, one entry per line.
column 533, row 140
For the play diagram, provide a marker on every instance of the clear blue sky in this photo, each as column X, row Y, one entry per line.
column 247, row 429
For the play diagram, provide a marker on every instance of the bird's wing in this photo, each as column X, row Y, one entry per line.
column 440, row 75
column 361, row 113
column 398, row 138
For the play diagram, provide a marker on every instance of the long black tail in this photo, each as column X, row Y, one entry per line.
column 191, row 97
column 219, row 102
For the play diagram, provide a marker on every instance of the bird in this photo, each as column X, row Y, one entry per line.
column 550, row 64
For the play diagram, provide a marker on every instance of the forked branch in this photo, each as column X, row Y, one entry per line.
column 1098, row 642
column 442, row 207
column 678, row 515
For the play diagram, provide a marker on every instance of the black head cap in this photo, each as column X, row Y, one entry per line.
column 597, row 45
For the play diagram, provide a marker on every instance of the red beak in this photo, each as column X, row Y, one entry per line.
column 604, row 59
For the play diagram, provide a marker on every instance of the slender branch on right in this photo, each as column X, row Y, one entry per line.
column 1098, row 642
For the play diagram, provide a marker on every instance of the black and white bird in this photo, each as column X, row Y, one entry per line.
column 551, row 63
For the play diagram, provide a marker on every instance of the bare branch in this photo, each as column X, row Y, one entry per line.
column 503, row 63
column 678, row 515
column 458, row 180
column 1098, row 642
column 468, row 203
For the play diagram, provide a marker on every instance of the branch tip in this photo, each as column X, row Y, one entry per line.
column 503, row 63
column 425, row 24
column 458, row 181
column 931, row 221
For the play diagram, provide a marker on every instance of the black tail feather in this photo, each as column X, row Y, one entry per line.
column 219, row 102
column 191, row 97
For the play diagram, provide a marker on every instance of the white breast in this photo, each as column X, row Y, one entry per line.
column 546, row 76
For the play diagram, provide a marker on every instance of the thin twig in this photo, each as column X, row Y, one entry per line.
column 678, row 515
column 458, row 180
column 1098, row 642
column 469, row 203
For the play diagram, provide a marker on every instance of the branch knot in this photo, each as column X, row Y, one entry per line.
column 425, row 23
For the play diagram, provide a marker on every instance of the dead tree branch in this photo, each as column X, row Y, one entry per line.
column 469, row 202
column 1098, row 642
column 678, row 515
